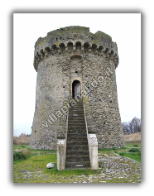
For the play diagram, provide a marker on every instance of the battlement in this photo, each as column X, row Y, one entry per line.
column 75, row 39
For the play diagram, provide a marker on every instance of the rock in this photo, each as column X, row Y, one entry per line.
column 50, row 165
column 107, row 170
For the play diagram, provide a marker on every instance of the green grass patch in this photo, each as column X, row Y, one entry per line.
column 19, row 155
column 22, row 152
column 36, row 164
column 132, row 144
column 133, row 150
column 111, row 151
column 32, row 169
column 132, row 155
column 20, row 147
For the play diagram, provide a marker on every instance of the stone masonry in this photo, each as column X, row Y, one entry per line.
column 74, row 54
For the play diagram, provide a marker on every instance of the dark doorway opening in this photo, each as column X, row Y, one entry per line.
column 76, row 89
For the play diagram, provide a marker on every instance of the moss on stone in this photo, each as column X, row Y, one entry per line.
column 100, row 34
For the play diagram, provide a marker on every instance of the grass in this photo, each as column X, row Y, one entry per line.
column 132, row 155
column 132, row 144
column 31, row 168
column 131, row 150
column 26, row 147
column 20, row 147
column 35, row 169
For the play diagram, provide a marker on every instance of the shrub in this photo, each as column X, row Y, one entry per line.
column 15, row 141
column 135, row 145
column 123, row 147
column 22, row 154
column 21, row 140
column 134, row 150
column 18, row 156
column 121, row 154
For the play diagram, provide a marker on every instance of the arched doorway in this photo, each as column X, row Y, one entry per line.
column 76, row 89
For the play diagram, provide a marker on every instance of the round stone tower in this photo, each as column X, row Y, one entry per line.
column 72, row 63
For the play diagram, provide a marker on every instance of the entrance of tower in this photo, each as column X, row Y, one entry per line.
column 76, row 89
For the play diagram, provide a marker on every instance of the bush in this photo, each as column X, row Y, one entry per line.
column 135, row 145
column 123, row 147
column 15, row 141
column 121, row 154
column 21, row 140
column 134, row 150
column 22, row 154
column 19, row 155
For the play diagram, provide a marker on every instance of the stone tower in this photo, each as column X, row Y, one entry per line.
column 72, row 63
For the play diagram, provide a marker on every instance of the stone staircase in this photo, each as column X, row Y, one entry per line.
column 77, row 153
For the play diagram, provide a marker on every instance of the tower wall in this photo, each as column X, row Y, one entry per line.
column 65, row 55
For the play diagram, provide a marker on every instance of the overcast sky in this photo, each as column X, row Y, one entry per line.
column 125, row 30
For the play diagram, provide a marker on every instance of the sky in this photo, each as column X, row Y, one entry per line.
column 125, row 30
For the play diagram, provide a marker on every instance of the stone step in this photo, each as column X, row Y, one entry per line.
column 79, row 138
column 77, row 132
column 76, row 120
column 77, row 126
column 70, row 118
column 77, row 116
column 74, row 158
column 77, row 147
column 79, row 109
column 73, row 135
column 78, row 142
column 76, row 107
column 81, row 122
column 72, row 113
column 77, row 152
column 77, row 164
column 82, row 156
column 81, row 168
column 76, row 110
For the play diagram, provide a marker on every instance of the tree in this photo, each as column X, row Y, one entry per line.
column 133, row 126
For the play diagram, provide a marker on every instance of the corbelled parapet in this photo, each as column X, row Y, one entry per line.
column 75, row 39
